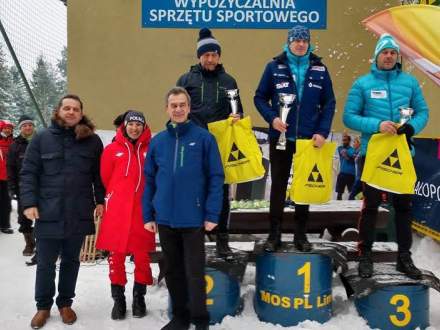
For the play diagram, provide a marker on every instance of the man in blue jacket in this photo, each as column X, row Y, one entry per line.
column 373, row 107
column 183, row 198
column 300, row 72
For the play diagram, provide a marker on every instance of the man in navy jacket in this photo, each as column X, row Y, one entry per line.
column 300, row 72
column 183, row 198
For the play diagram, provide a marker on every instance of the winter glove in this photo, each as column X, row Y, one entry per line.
column 408, row 130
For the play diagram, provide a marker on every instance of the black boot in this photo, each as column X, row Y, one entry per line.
column 177, row 323
column 30, row 244
column 299, row 234
column 222, row 245
column 406, row 265
column 33, row 261
column 138, row 307
column 120, row 307
column 273, row 242
column 365, row 267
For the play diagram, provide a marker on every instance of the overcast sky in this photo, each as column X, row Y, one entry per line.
column 34, row 27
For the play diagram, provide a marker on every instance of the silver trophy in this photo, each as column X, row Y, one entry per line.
column 405, row 114
column 232, row 95
column 286, row 101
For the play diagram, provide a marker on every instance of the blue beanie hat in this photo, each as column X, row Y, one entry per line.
column 298, row 32
column 207, row 43
column 385, row 41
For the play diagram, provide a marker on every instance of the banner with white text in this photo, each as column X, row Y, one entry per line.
column 234, row 14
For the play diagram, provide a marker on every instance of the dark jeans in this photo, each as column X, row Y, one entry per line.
column 344, row 180
column 402, row 204
column 223, row 222
column 280, row 165
column 48, row 251
column 184, row 256
column 5, row 206
column 356, row 189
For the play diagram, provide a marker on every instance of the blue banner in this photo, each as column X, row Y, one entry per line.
column 234, row 14
column 426, row 202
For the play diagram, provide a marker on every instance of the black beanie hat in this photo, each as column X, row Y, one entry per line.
column 132, row 115
column 25, row 120
column 207, row 43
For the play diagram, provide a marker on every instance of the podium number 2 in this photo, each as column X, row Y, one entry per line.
column 209, row 286
column 403, row 301
column 305, row 270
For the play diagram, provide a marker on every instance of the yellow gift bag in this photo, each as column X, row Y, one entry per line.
column 389, row 165
column 239, row 150
column 312, row 174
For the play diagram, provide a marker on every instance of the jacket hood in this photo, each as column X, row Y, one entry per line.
column 84, row 129
column 145, row 137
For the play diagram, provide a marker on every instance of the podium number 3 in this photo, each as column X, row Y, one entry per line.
column 209, row 286
column 305, row 270
column 403, row 308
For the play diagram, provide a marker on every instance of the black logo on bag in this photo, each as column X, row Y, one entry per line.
column 391, row 164
column 393, row 160
column 315, row 178
column 236, row 157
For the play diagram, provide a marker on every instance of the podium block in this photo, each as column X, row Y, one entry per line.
column 292, row 287
column 402, row 307
column 223, row 295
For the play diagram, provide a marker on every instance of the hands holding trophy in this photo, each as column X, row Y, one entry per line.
column 286, row 101
column 405, row 114
column 232, row 95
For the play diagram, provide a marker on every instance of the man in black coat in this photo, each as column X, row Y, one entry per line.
column 14, row 163
column 60, row 188
column 207, row 83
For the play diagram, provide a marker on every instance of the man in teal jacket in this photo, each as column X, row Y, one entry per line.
column 183, row 198
column 373, row 107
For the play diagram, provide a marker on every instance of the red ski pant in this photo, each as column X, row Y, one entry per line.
column 142, row 270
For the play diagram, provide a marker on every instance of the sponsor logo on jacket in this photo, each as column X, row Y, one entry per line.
column 282, row 85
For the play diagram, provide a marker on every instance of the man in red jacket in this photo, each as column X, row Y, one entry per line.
column 6, row 128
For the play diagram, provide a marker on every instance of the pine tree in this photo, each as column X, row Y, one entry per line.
column 20, row 100
column 5, row 85
column 44, row 86
column 62, row 70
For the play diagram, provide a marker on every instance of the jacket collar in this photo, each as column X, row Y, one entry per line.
column 198, row 69
column 313, row 59
column 179, row 129
column 389, row 74
column 145, row 137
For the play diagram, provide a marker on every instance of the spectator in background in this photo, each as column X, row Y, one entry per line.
column 15, row 161
column 346, row 174
column 6, row 128
column 357, row 186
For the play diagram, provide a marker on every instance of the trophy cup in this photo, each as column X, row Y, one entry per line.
column 286, row 101
column 232, row 95
column 405, row 114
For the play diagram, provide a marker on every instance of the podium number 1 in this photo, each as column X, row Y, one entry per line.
column 403, row 308
column 305, row 270
column 209, row 286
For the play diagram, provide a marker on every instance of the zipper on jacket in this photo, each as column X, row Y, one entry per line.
column 203, row 87
column 389, row 96
column 182, row 150
column 216, row 98
column 176, row 148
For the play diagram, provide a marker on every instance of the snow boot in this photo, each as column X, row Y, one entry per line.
column 365, row 267
column 32, row 262
column 120, row 307
column 177, row 323
column 139, row 308
column 406, row 265
column 299, row 234
column 222, row 245
column 273, row 241
column 30, row 244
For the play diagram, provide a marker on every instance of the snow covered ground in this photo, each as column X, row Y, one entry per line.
column 93, row 303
